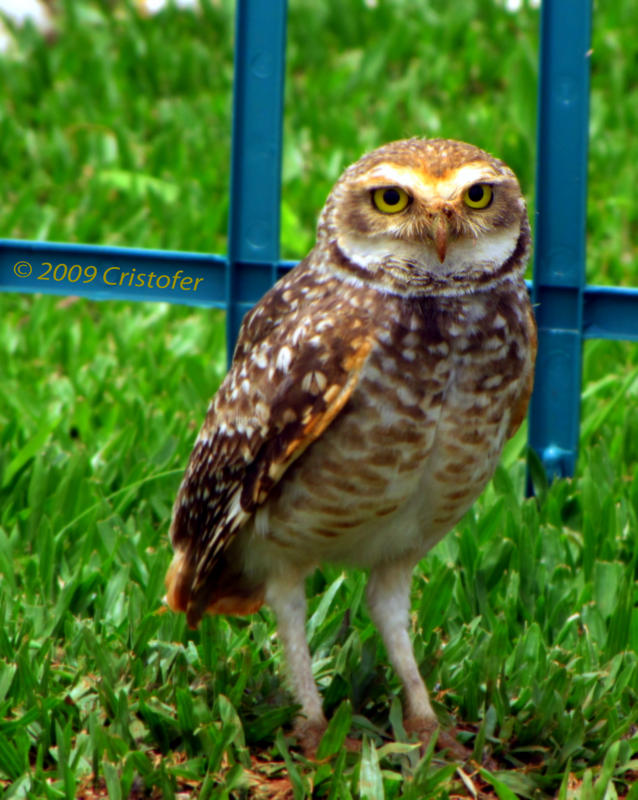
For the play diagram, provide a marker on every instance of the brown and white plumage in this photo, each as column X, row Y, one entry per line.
column 370, row 395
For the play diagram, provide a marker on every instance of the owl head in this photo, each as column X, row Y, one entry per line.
column 426, row 214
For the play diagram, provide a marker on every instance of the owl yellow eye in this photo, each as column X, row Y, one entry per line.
column 478, row 196
column 390, row 200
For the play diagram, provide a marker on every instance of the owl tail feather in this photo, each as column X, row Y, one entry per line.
column 224, row 592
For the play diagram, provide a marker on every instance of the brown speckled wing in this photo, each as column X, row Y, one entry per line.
column 292, row 373
column 520, row 408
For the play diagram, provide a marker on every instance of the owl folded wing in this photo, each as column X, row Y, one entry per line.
column 291, row 375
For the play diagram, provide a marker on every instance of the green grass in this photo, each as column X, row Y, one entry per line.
column 525, row 616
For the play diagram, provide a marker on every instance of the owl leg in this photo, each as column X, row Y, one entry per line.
column 388, row 594
column 288, row 600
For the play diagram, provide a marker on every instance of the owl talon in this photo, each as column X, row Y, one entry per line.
column 424, row 730
column 308, row 734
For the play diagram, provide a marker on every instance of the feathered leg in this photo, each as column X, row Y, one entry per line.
column 287, row 598
column 388, row 594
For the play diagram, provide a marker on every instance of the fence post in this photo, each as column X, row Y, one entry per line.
column 561, row 197
column 253, row 237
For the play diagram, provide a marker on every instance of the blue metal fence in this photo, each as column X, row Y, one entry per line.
column 567, row 310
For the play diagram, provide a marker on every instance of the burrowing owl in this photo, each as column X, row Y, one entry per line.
column 370, row 395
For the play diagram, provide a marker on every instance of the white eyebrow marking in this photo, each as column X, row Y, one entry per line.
column 447, row 187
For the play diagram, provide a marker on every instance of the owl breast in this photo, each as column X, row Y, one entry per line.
column 418, row 440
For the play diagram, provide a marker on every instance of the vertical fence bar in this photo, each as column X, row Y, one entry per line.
column 253, row 238
column 561, row 196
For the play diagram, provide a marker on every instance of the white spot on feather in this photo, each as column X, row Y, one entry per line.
column 314, row 382
column 234, row 507
column 492, row 382
column 324, row 325
column 284, row 357
column 406, row 396
column 440, row 349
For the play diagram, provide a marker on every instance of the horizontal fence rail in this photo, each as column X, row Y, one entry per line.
column 195, row 279
column 112, row 273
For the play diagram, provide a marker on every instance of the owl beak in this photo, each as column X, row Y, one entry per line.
column 441, row 233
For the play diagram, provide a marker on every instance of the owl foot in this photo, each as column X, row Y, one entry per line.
column 425, row 728
column 309, row 733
